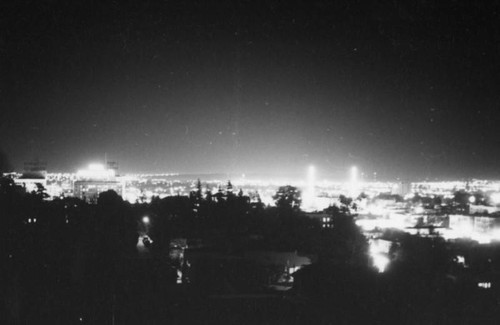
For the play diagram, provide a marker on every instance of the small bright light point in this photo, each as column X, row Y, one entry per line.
column 472, row 199
column 145, row 220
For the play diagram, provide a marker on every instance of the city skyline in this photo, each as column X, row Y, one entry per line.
column 406, row 91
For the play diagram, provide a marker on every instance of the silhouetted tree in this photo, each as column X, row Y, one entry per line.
column 219, row 196
column 288, row 197
column 229, row 188
column 41, row 191
column 346, row 204
column 196, row 196
column 208, row 196
column 422, row 256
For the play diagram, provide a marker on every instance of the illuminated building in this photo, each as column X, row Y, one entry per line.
column 113, row 165
column 35, row 172
column 484, row 229
column 95, row 180
column 325, row 218
column 482, row 209
column 402, row 189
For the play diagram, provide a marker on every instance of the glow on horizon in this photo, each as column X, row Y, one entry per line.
column 96, row 167
column 95, row 171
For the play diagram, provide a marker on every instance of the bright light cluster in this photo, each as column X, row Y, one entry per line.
column 96, row 172
column 482, row 229
column 379, row 252
column 484, row 285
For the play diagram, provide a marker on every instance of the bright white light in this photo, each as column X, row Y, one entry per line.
column 353, row 182
column 472, row 199
column 145, row 220
column 495, row 234
column 96, row 171
column 96, row 167
column 419, row 210
column 481, row 238
column 309, row 196
column 484, row 285
column 409, row 196
column 376, row 209
column 354, row 174
column 462, row 226
column 380, row 262
column 366, row 224
column 495, row 198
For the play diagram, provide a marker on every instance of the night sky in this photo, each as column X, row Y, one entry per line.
column 409, row 91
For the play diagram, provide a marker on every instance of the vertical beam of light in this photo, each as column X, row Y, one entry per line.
column 353, row 182
column 309, row 193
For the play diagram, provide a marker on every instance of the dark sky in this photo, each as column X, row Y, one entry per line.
column 404, row 90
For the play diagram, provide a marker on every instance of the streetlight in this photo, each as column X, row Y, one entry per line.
column 145, row 220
